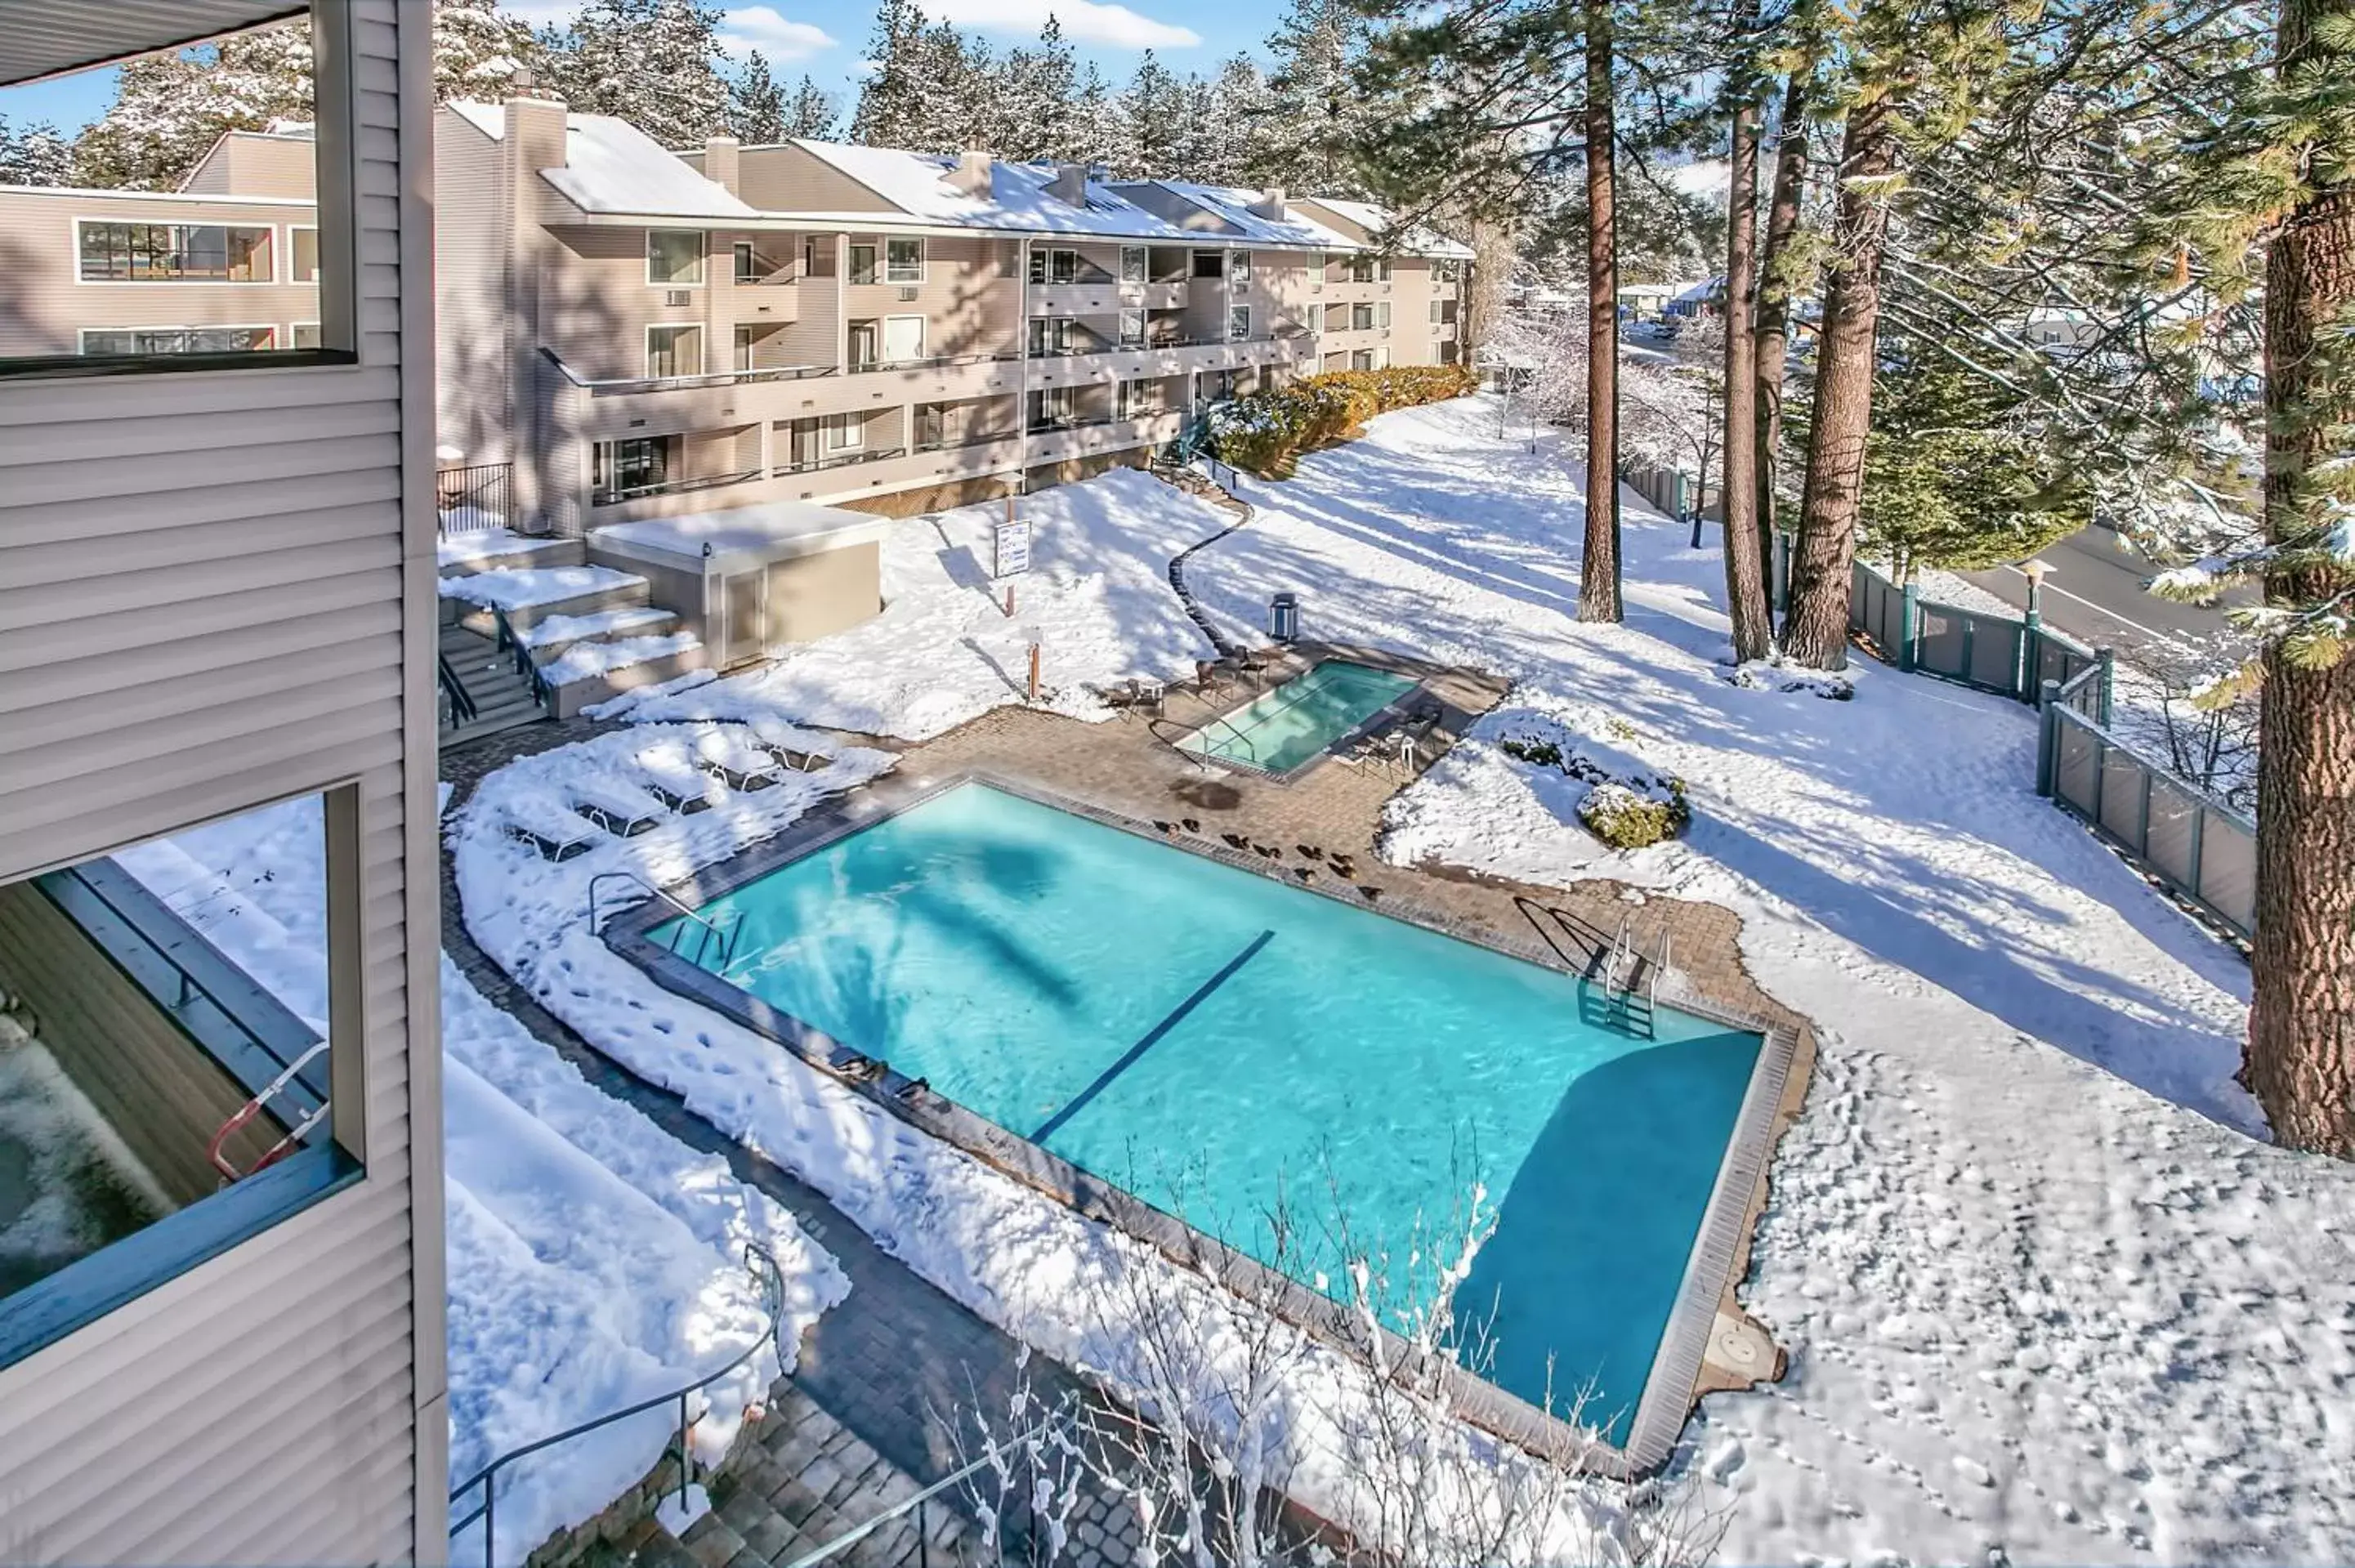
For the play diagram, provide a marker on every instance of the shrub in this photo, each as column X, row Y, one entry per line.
column 1267, row 431
column 1628, row 804
column 1626, row 820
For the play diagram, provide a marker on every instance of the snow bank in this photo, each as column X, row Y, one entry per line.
column 943, row 650
column 519, row 586
column 594, row 1260
column 583, row 660
column 2045, row 1294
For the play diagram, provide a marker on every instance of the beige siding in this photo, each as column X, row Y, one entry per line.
column 968, row 297
column 248, row 163
column 44, row 304
column 283, row 1402
column 787, row 179
column 471, row 244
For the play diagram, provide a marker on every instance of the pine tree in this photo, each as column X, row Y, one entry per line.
column 1227, row 122
column 1316, row 112
column 38, row 154
column 1152, row 123
column 170, row 108
column 1036, row 89
column 654, row 63
column 810, row 113
column 1599, row 566
column 477, row 51
column 756, row 107
column 1745, row 572
column 890, row 97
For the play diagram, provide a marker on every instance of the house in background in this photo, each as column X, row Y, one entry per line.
column 221, row 1294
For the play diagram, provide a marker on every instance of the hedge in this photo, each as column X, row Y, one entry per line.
column 1267, row 431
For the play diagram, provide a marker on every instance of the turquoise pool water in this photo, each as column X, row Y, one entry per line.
column 1282, row 728
column 1199, row 1034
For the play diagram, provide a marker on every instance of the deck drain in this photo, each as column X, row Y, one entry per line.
column 1739, row 1347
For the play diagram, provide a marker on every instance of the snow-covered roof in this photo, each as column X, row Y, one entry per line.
column 1232, row 206
column 1415, row 239
column 612, row 167
column 919, row 185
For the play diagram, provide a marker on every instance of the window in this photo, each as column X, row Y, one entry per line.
column 1238, row 323
column 178, row 339
column 1382, row 267
column 1240, row 272
column 675, row 257
column 1132, row 329
column 1381, row 360
column 1383, row 314
column 864, row 340
column 903, row 260
column 748, row 266
column 1209, row 264
column 306, row 335
column 1315, row 318
column 1135, row 400
column 1050, row 407
column 1361, row 317
column 1434, row 310
column 1362, row 359
column 1132, row 265
column 862, row 263
column 639, row 465
column 302, row 253
column 903, row 339
column 173, row 252
column 148, row 1006
column 744, row 348
column 1050, row 335
column 674, row 351
column 1055, row 266
column 845, row 432
column 931, row 426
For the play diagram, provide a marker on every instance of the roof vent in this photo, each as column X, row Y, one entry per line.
column 1271, row 206
column 1070, row 185
column 972, row 173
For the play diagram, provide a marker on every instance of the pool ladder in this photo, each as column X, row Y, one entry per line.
column 1623, row 1006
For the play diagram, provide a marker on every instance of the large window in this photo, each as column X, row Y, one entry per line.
column 862, row 262
column 1209, row 263
column 1132, row 265
column 112, row 252
column 1132, row 329
column 303, row 254
column 675, row 257
column 845, row 432
column 903, row 260
column 640, row 466
column 1238, row 323
column 178, row 340
column 1239, row 272
column 167, row 1087
column 674, row 351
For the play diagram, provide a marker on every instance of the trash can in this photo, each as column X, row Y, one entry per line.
column 1283, row 618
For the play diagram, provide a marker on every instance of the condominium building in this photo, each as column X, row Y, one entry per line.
column 221, row 1293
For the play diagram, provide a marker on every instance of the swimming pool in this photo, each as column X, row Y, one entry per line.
column 1288, row 726
column 1197, row 1034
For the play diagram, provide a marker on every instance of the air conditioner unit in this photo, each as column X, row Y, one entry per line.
column 908, row 294
column 679, row 297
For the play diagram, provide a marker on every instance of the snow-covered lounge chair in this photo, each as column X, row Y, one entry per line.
column 795, row 747
column 558, row 832
column 666, row 772
column 744, row 765
column 618, row 806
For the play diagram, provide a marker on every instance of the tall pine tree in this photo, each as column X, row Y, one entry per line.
column 756, row 105
column 654, row 63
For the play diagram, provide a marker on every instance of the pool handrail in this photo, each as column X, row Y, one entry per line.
column 727, row 939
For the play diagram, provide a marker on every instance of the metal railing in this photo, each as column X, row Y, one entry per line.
column 454, row 697
column 2182, row 837
column 472, row 499
column 614, row 494
column 994, row 1457
column 772, row 1289
column 617, row 384
column 929, row 362
column 511, row 643
column 708, row 931
column 839, row 460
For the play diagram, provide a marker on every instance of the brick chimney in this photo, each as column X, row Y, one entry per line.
column 971, row 174
column 1270, row 205
column 721, row 162
column 1070, row 185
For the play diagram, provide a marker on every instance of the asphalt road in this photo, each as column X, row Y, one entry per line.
column 2095, row 593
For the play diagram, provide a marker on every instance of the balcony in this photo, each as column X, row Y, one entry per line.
column 1167, row 357
column 622, row 385
column 1107, row 296
column 615, row 494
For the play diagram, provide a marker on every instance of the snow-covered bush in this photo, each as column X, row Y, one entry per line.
column 1268, row 430
column 1626, row 820
column 1628, row 804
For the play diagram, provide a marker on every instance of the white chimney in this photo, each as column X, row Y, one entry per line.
column 971, row 174
column 1070, row 184
column 1270, row 205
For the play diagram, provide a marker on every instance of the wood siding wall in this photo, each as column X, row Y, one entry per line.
column 216, row 589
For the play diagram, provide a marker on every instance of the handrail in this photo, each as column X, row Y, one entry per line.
column 773, row 1288
column 1652, row 992
column 725, row 938
column 689, row 383
column 615, row 494
column 991, row 1451
column 462, row 706
column 252, row 1108
column 511, row 641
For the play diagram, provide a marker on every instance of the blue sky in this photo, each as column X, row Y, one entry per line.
column 825, row 39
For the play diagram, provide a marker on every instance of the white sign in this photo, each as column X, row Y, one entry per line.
column 1012, row 540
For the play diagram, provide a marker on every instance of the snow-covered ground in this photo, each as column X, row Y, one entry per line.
column 2047, row 1295
column 594, row 1260
column 1097, row 599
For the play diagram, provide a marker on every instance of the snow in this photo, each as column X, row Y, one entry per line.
column 518, row 587
column 585, row 661
column 594, row 1260
column 943, row 650
column 2047, row 1295
column 487, row 544
column 1233, row 207
column 1416, row 241
column 611, row 166
column 597, row 623
column 918, row 185
column 770, row 530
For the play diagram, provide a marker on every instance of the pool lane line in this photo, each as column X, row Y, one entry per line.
column 1153, row 1037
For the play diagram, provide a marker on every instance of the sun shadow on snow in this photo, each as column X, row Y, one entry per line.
column 1592, row 1234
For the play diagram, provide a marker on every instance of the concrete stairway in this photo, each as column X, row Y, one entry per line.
column 503, row 698
column 591, row 629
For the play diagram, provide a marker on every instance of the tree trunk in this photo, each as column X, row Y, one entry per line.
column 1774, row 336
column 1745, row 583
column 1598, row 581
column 2300, row 1061
column 1815, row 630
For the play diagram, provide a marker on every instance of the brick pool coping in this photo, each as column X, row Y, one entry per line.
column 1713, row 1266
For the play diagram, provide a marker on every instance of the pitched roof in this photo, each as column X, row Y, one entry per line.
column 918, row 184
column 1232, row 205
column 1415, row 239
column 612, row 167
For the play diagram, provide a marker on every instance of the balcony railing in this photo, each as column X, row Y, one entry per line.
column 607, row 496
column 838, row 460
column 1076, row 422
column 684, row 383
column 935, row 361
column 965, row 443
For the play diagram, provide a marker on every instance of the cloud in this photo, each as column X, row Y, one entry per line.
column 540, row 13
column 762, row 27
column 1083, row 21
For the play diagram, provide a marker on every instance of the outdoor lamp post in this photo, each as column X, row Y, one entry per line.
column 2036, row 572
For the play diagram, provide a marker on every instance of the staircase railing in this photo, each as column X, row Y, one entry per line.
column 462, row 707
column 993, row 1456
column 511, row 642
column 763, row 1267
column 709, row 934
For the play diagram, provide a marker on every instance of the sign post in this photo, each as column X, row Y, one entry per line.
column 1010, row 551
